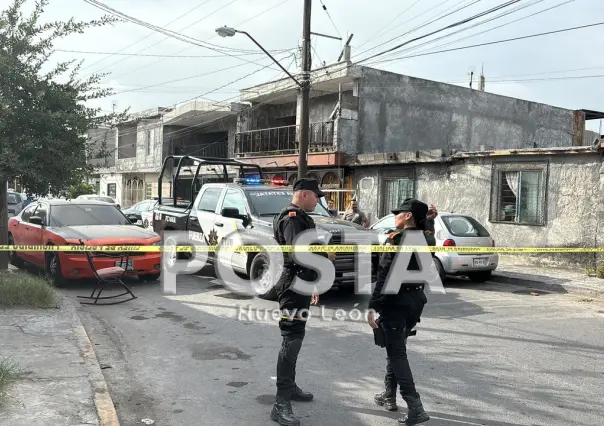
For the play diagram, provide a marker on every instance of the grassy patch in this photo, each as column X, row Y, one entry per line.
column 9, row 372
column 20, row 289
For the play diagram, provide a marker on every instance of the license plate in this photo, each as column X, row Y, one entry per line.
column 122, row 265
column 480, row 262
column 348, row 274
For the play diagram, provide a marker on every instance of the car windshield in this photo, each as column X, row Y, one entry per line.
column 386, row 223
column 86, row 215
column 270, row 202
column 14, row 198
column 464, row 226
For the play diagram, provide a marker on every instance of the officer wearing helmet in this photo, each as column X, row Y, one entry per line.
column 399, row 313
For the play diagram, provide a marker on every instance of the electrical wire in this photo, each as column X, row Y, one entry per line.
column 182, row 29
column 329, row 16
column 88, row 52
column 424, row 24
column 493, row 42
column 414, row 48
column 375, row 35
column 146, row 37
column 172, row 34
column 281, row 3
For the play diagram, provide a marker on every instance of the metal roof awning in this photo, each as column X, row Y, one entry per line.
column 593, row 115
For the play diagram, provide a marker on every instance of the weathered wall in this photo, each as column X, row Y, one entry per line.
column 146, row 129
column 278, row 115
column 400, row 113
column 212, row 140
column 102, row 143
column 574, row 216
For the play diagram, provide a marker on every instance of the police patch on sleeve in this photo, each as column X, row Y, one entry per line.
column 292, row 214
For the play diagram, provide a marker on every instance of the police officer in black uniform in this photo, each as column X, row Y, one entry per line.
column 399, row 313
column 293, row 220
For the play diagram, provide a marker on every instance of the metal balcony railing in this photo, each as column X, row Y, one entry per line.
column 283, row 140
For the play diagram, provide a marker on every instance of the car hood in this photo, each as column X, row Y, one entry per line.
column 106, row 234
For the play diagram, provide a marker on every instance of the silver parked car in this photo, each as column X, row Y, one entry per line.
column 454, row 229
column 95, row 197
column 15, row 203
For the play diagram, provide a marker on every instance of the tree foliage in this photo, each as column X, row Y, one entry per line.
column 44, row 119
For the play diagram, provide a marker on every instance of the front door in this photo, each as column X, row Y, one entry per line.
column 227, row 227
column 203, row 215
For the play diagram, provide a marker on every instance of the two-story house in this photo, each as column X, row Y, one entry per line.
column 147, row 138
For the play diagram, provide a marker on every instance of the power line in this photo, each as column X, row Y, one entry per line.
column 88, row 52
column 375, row 35
column 456, row 24
column 486, row 30
column 425, row 24
column 190, row 47
column 492, row 42
column 329, row 16
column 169, row 33
column 182, row 29
column 144, row 38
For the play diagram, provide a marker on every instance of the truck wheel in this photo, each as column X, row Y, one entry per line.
column 259, row 271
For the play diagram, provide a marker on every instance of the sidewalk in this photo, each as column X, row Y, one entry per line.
column 550, row 279
column 61, row 381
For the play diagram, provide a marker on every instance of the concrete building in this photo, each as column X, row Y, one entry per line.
column 530, row 197
column 362, row 117
column 147, row 138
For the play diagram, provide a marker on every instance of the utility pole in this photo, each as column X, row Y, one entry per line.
column 304, row 96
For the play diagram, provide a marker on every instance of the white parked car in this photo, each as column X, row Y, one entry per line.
column 454, row 229
column 95, row 197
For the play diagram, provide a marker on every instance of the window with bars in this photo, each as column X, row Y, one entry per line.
column 397, row 190
column 520, row 196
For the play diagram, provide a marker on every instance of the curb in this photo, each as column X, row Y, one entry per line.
column 513, row 279
column 102, row 398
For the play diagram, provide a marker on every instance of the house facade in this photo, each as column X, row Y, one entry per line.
column 147, row 138
column 362, row 117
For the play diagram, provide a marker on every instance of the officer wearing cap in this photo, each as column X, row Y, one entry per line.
column 399, row 313
column 293, row 220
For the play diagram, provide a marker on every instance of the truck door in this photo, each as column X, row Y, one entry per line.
column 200, row 224
column 225, row 226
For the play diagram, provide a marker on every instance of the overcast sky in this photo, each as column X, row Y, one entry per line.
column 540, row 69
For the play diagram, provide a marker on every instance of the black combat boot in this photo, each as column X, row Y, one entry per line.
column 387, row 398
column 299, row 395
column 283, row 414
column 416, row 413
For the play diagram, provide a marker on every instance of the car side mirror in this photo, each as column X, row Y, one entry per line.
column 233, row 213
column 36, row 220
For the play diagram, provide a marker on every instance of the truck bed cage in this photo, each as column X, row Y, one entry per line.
column 203, row 161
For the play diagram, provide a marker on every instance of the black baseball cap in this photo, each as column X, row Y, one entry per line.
column 414, row 206
column 308, row 184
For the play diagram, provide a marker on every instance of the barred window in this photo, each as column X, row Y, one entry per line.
column 520, row 196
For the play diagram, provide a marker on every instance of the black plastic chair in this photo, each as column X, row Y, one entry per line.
column 107, row 277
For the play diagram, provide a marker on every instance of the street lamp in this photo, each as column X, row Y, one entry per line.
column 304, row 99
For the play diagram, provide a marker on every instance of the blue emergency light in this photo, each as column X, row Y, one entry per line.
column 258, row 181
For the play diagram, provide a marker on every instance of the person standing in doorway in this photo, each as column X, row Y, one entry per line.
column 293, row 220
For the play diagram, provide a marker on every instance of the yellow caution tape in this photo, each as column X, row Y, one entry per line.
column 315, row 249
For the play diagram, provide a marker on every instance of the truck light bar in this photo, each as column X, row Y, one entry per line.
column 257, row 181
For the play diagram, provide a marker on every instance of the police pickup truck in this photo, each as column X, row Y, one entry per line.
column 249, row 204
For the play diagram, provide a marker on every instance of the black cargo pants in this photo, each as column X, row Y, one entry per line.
column 396, row 329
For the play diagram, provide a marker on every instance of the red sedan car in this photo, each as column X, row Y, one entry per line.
column 63, row 223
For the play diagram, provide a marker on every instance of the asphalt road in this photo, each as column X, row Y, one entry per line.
column 487, row 354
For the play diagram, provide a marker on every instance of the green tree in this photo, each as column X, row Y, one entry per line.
column 44, row 117
column 82, row 188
